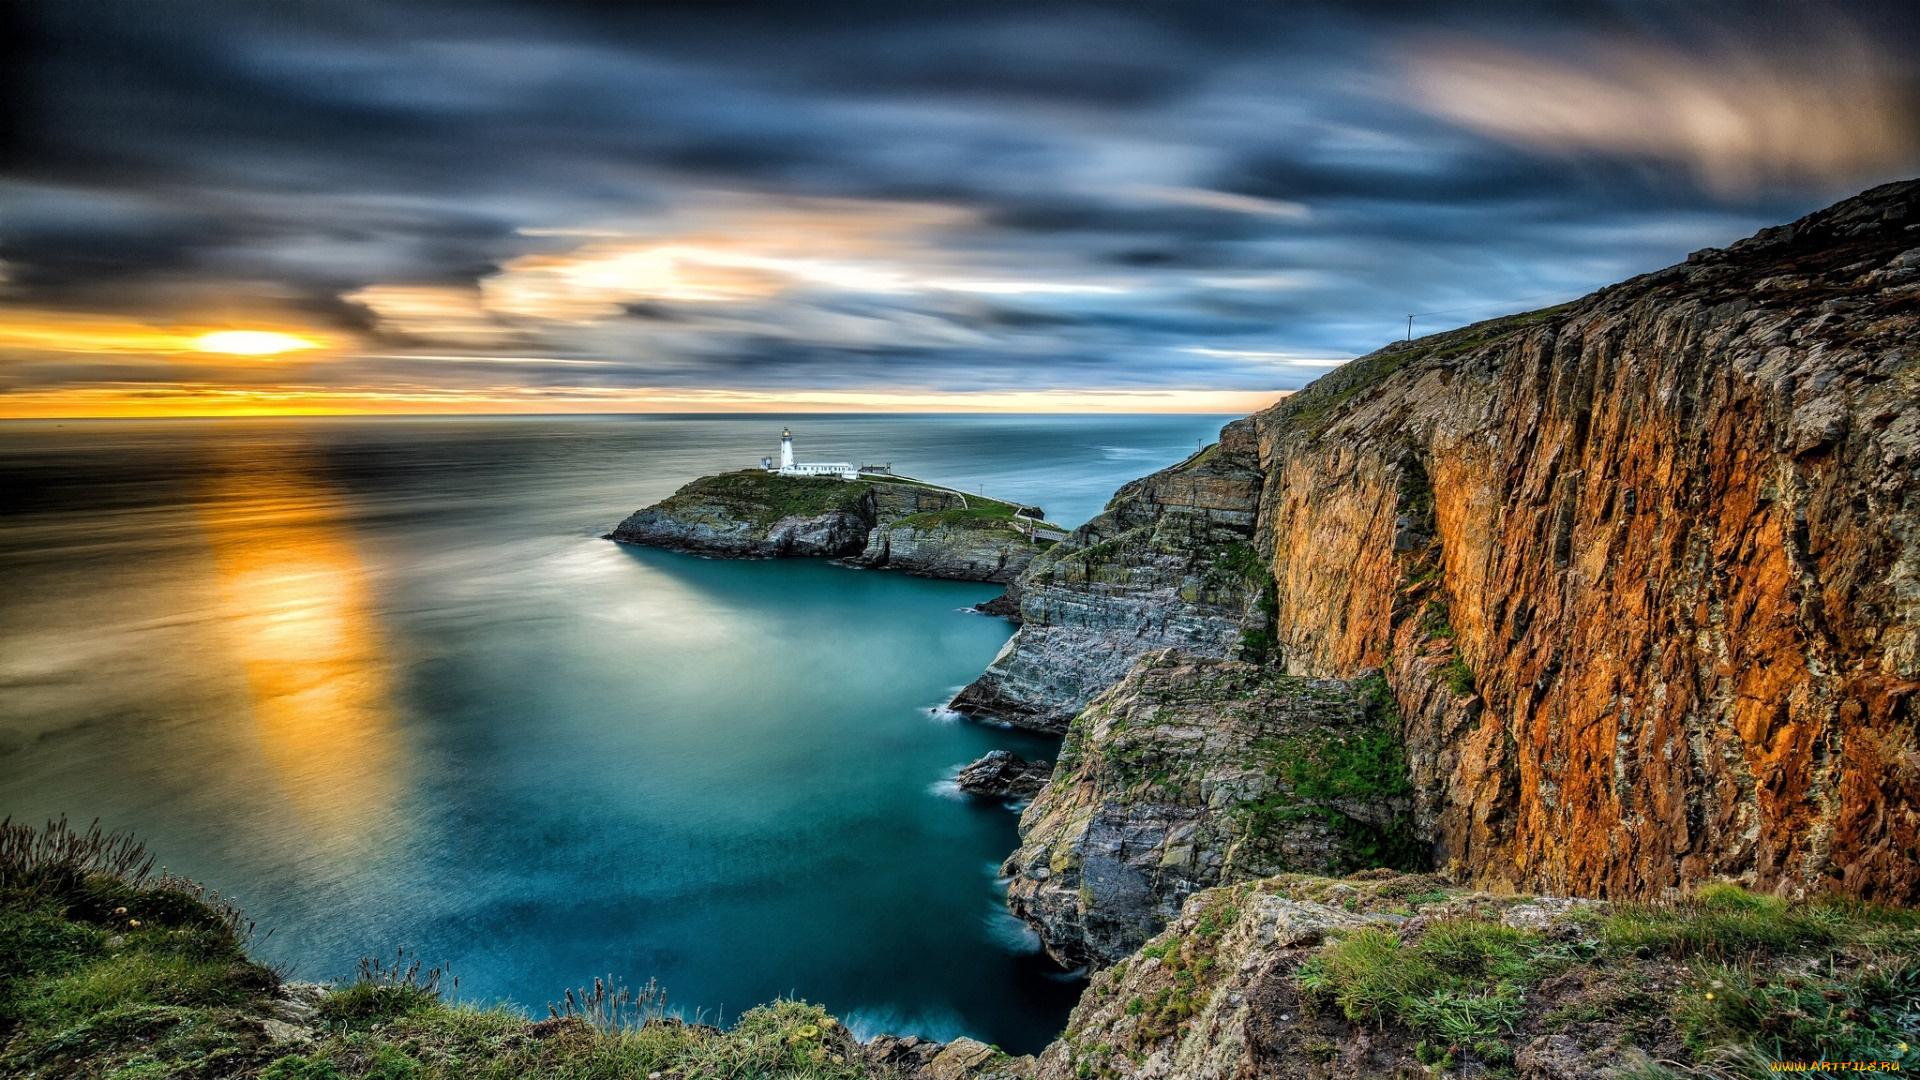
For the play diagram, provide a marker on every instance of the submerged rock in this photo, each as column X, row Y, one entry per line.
column 1003, row 773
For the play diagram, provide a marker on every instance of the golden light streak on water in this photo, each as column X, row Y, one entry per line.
column 299, row 610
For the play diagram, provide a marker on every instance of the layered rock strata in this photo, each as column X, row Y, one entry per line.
column 1643, row 570
column 951, row 544
column 1196, row 772
column 1166, row 566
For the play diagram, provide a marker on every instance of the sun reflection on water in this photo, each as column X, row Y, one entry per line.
column 300, row 610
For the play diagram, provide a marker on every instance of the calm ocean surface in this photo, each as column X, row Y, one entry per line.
column 380, row 680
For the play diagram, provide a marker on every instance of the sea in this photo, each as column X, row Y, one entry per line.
column 382, row 682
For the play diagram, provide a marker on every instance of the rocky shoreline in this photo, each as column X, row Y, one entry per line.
column 1612, row 599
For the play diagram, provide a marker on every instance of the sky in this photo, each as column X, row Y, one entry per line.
column 303, row 207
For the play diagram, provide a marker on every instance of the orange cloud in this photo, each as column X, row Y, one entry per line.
column 132, row 401
column 61, row 332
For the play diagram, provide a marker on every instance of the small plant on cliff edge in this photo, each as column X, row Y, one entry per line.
column 1456, row 675
column 1462, row 982
column 380, row 992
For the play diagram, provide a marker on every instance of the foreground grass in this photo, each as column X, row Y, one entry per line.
column 1737, row 980
column 107, row 971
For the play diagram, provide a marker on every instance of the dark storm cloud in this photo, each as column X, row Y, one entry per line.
column 961, row 196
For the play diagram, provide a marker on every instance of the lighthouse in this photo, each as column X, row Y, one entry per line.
column 845, row 470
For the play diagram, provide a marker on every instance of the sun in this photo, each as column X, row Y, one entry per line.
column 252, row 342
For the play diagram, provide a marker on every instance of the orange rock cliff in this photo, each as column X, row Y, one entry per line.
column 1641, row 572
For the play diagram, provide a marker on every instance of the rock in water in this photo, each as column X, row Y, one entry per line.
column 752, row 514
column 916, row 528
column 1003, row 773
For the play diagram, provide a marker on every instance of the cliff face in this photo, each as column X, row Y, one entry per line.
column 1157, row 570
column 1643, row 571
column 952, row 544
column 1193, row 773
column 896, row 525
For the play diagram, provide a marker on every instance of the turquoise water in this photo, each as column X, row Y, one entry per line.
column 382, row 681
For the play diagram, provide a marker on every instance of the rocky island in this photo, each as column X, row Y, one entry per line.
column 874, row 521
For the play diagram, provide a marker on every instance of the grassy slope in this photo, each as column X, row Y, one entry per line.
column 1738, row 980
column 1718, row 986
column 106, row 971
column 762, row 498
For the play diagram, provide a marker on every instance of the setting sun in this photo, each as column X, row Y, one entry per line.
column 252, row 343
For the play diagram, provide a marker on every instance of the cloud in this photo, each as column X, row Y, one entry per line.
column 495, row 202
column 1826, row 108
column 1224, row 201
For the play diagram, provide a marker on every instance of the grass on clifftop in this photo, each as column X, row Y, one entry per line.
column 109, row 972
column 1738, row 979
column 764, row 498
column 757, row 496
column 979, row 513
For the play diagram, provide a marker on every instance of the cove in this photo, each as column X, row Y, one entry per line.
column 383, row 681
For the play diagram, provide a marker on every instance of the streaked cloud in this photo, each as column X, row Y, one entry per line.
column 1225, row 201
column 500, row 206
column 1827, row 107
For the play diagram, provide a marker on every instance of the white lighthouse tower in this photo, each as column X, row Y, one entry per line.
column 845, row 470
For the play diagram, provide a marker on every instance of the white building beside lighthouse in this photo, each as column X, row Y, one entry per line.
column 845, row 470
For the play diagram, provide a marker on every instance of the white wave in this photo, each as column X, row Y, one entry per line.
column 866, row 1021
column 947, row 789
column 943, row 714
column 1009, row 932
